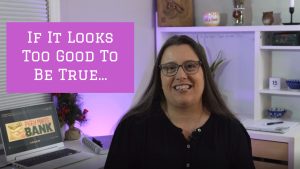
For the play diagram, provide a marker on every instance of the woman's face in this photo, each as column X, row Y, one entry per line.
column 182, row 89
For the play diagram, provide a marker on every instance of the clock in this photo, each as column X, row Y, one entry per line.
column 274, row 83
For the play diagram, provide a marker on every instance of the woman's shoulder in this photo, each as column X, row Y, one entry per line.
column 230, row 123
column 135, row 120
column 132, row 119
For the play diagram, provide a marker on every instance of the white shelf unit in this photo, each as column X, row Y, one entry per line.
column 262, row 58
column 264, row 66
column 276, row 61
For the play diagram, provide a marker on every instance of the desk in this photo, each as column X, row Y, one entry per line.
column 282, row 149
column 96, row 162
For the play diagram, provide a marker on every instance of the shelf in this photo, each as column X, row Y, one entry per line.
column 280, row 47
column 230, row 28
column 208, row 29
column 281, row 92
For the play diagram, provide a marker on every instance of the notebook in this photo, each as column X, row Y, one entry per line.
column 277, row 125
column 31, row 138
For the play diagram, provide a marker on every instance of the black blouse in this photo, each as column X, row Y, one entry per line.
column 153, row 142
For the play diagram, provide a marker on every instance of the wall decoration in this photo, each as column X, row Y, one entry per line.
column 175, row 12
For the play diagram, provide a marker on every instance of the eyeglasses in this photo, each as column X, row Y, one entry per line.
column 171, row 69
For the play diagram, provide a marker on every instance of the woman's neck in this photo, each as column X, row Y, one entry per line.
column 187, row 118
column 186, row 112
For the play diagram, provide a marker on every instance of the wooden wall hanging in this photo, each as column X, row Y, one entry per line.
column 175, row 12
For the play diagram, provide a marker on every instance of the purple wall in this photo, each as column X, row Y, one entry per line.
column 104, row 112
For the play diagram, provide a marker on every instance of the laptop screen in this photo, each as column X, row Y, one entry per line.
column 29, row 127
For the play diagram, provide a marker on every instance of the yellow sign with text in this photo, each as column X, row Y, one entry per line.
column 29, row 128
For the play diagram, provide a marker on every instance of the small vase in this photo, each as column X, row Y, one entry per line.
column 63, row 129
column 211, row 18
column 73, row 133
column 268, row 18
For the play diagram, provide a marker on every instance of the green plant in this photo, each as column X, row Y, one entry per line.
column 216, row 63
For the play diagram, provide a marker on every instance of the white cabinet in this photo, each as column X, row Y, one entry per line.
column 244, row 81
column 276, row 61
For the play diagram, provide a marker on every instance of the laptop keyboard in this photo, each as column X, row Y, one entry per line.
column 47, row 157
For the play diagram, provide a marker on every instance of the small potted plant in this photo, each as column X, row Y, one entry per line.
column 68, row 106
column 216, row 63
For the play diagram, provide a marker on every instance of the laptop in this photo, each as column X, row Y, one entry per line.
column 31, row 138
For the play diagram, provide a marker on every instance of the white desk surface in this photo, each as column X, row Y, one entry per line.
column 96, row 162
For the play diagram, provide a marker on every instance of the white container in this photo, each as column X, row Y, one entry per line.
column 211, row 18
column 274, row 83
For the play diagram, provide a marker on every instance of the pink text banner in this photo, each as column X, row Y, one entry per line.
column 70, row 57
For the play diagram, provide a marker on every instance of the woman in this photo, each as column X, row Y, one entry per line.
column 181, row 120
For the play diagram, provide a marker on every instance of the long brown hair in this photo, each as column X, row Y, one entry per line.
column 153, row 95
